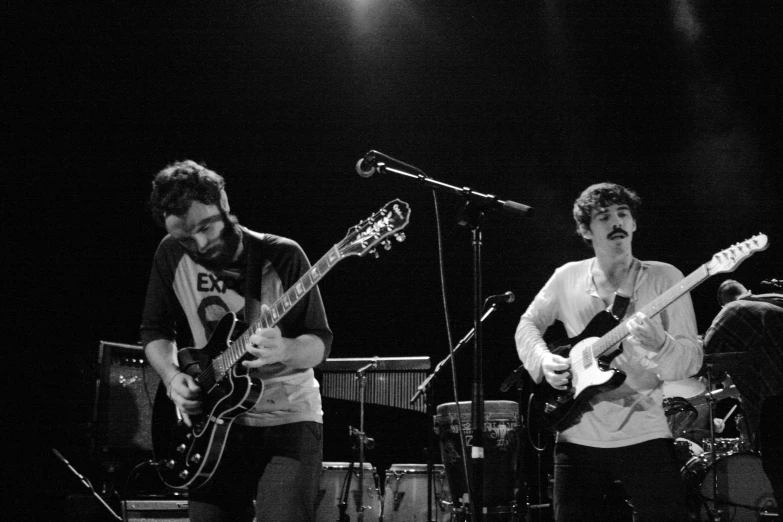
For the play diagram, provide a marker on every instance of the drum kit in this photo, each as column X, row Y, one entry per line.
column 723, row 475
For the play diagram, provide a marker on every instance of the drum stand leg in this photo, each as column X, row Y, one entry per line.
column 715, row 513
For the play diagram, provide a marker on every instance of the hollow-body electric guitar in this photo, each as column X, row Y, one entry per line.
column 187, row 456
column 590, row 350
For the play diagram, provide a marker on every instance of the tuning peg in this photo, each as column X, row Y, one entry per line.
column 375, row 253
column 400, row 236
column 386, row 244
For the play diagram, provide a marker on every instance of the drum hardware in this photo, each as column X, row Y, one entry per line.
column 425, row 390
column 745, row 492
column 727, row 479
column 337, row 487
column 406, row 495
column 396, row 376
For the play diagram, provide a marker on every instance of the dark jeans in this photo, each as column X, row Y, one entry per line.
column 647, row 474
column 279, row 467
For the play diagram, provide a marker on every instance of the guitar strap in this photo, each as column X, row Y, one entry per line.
column 622, row 297
column 255, row 268
column 620, row 305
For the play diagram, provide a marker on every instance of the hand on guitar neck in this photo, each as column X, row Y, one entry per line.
column 645, row 332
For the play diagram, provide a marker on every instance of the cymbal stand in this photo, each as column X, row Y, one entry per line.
column 715, row 512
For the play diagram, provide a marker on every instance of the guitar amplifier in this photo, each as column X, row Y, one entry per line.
column 123, row 407
column 144, row 510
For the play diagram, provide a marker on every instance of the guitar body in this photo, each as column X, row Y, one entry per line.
column 558, row 409
column 189, row 455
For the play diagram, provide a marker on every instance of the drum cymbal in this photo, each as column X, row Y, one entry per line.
column 725, row 393
column 685, row 388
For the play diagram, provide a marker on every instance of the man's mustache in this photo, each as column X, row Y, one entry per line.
column 617, row 232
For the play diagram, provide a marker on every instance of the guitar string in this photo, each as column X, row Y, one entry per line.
column 238, row 347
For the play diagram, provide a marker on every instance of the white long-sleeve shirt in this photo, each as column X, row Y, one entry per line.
column 632, row 412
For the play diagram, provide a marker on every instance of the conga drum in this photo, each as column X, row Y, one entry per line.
column 501, row 446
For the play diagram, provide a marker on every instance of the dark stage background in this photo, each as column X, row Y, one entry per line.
column 528, row 100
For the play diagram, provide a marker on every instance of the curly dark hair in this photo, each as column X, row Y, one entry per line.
column 602, row 195
column 175, row 187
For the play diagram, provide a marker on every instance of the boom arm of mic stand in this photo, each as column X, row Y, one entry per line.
column 489, row 199
column 426, row 382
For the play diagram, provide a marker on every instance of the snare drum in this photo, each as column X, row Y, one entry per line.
column 334, row 478
column 501, row 446
column 743, row 487
column 725, row 446
column 686, row 449
column 405, row 497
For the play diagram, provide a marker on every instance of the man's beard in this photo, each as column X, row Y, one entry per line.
column 229, row 244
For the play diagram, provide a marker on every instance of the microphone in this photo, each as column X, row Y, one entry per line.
column 506, row 298
column 367, row 165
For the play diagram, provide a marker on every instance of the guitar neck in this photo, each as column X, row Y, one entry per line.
column 653, row 308
column 283, row 305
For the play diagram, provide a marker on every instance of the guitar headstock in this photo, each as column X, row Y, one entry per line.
column 729, row 259
column 375, row 230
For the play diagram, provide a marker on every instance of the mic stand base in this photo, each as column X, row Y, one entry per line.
column 86, row 483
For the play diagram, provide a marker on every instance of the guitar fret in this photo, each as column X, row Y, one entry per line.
column 332, row 257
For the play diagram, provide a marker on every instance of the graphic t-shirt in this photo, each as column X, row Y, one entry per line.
column 185, row 297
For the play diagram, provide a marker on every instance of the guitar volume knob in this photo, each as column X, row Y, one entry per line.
column 195, row 459
column 181, row 448
column 184, row 474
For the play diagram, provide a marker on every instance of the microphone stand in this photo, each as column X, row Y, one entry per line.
column 86, row 483
column 430, row 402
column 472, row 215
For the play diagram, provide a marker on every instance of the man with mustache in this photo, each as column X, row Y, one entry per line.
column 622, row 435
column 206, row 266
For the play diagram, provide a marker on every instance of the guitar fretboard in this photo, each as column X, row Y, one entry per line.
column 276, row 312
column 653, row 308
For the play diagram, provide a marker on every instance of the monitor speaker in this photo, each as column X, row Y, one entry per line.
column 126, row 392
column 146, row 510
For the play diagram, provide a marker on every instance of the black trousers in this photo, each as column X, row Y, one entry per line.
column 771, row 444
column 279, row 467
column 646, row 473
